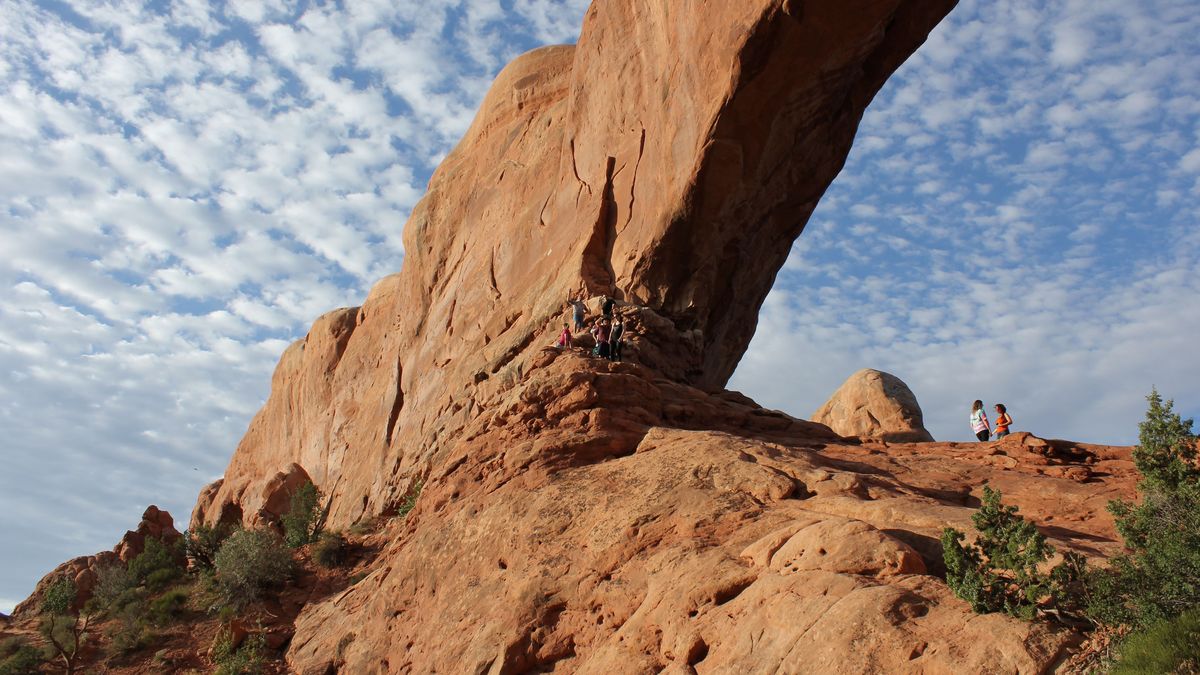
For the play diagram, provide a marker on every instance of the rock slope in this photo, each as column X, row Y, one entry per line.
column 601, row 519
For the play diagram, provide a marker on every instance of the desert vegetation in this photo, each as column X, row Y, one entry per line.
column 221, row 585
column 1146, row 601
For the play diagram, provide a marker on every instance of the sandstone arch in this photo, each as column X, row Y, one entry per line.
column 669, row 158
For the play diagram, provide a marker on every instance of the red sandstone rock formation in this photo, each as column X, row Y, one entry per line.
column 874, row 404
column 669, row 159
column 585, row 516
column 155, row 523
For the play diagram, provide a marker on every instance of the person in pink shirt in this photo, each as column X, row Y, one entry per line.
column 600, row 331
column 564, row 338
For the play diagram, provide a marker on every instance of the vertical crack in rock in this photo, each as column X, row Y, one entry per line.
column 397, row 402
column 492, row 275
column 575, row 168
column 597, row 255
column 633, row 180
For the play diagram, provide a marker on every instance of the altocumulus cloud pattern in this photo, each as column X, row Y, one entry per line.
column 187, row 184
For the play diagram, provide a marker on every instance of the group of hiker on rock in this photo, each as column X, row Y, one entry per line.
column 609, row 332
column 981, row 427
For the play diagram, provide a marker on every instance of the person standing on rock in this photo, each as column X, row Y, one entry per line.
column 604, row 338
column 606, row 306
column 595, row 331
column 1003, row 421
column 614, row 340
column 979, row 422
column 580, row 310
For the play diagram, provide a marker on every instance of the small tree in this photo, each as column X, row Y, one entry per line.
column 1000, row 573
column 66, row 632
column 1166, row 450
column 1159, row 578
column 157, row 565
column 302, row 522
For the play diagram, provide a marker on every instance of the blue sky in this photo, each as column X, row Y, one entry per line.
column 185, row 185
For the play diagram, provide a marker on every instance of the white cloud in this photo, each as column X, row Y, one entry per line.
column 1191, row 161
column 1071, row 45
column 1051, row 237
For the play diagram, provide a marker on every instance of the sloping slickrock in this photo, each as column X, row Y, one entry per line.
column 586, row 538
column 874, row 404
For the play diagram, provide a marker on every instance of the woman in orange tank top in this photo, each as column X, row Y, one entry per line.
column 1003, row 421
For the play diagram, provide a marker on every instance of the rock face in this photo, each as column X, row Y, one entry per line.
column 668, row 159
column 874, row 404
column 155, row 524
column 601, row 519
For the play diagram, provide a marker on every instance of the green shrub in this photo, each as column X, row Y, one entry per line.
column 160, row 579
column 1166, row 450
column 249, row 563
column 127, row 637
column 301, row 524
column 247, row 659
column 18, row 657
column 59, row 597
column 1159, row 578
column 330, row 550
column 410, row 499
column 131, row 602
column 168, row 607
column 200, row 544
column 157, row 560
column 113, row 582
column 364, row 527
column 1165, row 647
column 1000, row 573
column 11, row 645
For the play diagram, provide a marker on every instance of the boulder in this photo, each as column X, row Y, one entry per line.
column 876, row 405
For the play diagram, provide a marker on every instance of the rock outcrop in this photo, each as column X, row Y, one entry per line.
column 601, row 519
column 155, row 524
column 874, row 404
column 585, row 516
